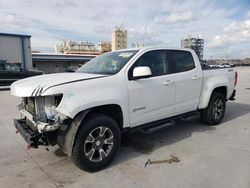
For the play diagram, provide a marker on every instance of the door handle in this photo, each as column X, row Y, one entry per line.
column 168, row 82
column 195, row 77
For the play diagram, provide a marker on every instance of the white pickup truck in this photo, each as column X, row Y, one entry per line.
column 86, row 112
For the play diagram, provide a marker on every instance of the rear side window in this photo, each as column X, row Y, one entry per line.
column 182, row 60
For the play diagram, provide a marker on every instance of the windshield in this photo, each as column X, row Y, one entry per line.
column 108, row 63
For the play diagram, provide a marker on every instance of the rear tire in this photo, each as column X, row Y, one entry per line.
column 215, row 111
column 96, row 143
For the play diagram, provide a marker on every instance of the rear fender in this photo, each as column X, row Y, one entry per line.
column 207, row 92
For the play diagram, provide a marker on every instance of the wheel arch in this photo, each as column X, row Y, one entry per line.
column 112, row 110
column 205, row 98
column 222, row 90
column 67, row 133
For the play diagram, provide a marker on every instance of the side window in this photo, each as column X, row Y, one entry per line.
column 13, row 66
column 182, row 60
column 1, row 66
column 155, row 60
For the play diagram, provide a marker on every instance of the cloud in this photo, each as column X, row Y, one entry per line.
column 248, row 14
column 238, row 26
column 176, row 18
column 147, row 22
column 140, row 30
column 11, row 20
column 144, row 36
column 234, row 33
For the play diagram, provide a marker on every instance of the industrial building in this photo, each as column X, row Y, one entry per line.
column 54, row 63
column 195, row 43
column 72, row 47
column 104, row 47
column 15, row 49
column 119, row 39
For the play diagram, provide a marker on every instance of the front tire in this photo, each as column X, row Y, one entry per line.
column 215, row 111
column 96, row 143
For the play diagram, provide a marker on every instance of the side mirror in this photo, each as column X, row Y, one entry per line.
column 141, row 72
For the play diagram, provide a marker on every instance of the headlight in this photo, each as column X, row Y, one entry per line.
column 50, row 104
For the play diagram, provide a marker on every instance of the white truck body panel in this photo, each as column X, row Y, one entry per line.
column 216, row 78
column 25, row 87
column 148, row 101
column 141, row 101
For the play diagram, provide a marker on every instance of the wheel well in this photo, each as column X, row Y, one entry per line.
column 222, row 90
column 112, row 110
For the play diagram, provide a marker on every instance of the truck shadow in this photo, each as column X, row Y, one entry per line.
column 135, row 144
column 235, row 110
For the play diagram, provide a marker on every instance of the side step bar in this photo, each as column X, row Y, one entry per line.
column 151, row 129
column 160, row 124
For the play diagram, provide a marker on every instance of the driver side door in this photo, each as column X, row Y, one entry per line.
column 152, row 98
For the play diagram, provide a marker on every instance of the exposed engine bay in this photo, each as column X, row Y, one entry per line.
column 40, row 112
column 39, row 115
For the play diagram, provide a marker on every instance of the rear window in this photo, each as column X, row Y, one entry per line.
column 182, row 60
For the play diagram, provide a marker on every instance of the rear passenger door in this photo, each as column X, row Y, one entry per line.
column 188, row 80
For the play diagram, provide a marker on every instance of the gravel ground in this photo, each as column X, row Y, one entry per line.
column 209, row 156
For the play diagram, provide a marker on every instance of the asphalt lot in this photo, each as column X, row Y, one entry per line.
column 209, row 156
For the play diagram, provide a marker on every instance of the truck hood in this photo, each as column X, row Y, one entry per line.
column 37, row 85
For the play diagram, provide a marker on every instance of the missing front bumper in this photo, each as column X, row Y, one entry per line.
column 33, row 137
column 42, row 127
column 30, row 136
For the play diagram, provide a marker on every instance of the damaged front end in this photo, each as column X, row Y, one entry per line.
column 39, row 120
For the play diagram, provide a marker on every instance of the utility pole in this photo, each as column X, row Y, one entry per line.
column 227, row 53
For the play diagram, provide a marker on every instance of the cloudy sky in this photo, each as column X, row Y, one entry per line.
column 224, row 24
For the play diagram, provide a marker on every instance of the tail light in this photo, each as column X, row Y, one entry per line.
column 236, row 79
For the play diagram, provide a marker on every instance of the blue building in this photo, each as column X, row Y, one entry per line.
column 15, row 49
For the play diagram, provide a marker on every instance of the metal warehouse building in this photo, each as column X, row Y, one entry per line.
column 15, row 48
column 53, row 63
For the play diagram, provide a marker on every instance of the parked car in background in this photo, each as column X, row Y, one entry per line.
column 72, row 68
column 11, row 72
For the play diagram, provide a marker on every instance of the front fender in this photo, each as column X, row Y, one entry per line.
column 67, row 133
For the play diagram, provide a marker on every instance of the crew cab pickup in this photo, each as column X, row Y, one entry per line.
column 86, row 112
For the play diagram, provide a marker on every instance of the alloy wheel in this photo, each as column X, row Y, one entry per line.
column 98, row 144
column 218, row 109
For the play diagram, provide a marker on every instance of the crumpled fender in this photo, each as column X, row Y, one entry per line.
column 67, row 133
